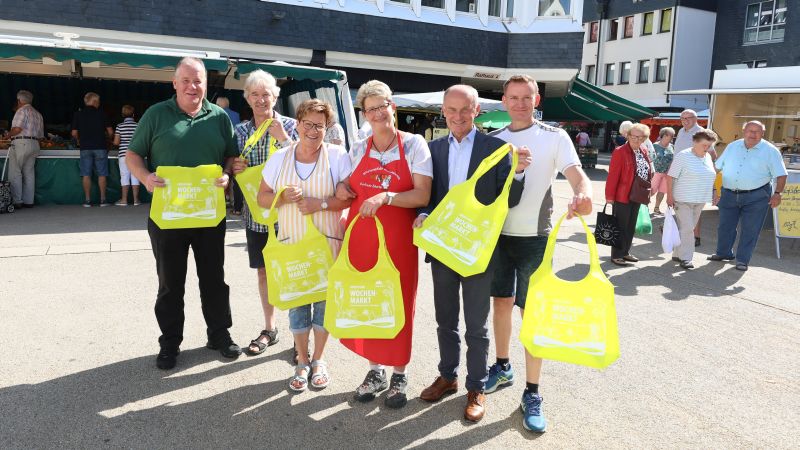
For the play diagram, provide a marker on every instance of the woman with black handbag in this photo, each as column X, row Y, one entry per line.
column 628, row 187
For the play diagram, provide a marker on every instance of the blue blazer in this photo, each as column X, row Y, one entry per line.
column 489, row 186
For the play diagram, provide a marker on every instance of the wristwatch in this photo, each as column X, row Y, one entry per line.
column 390, row 195
column 324, row 204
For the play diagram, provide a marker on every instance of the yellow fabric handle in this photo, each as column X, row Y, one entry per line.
column 255, row 137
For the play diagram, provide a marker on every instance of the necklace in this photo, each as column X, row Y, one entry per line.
column 297, row 169
column 383, row 152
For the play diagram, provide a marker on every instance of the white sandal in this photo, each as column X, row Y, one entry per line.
column 301, row 380
column 321, row 375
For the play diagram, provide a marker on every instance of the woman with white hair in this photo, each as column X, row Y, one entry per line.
column 261, row 92
column 628, row 162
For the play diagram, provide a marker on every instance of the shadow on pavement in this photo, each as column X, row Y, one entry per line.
column 133, row 404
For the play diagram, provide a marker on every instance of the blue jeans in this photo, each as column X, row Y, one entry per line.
column 301, row 318
column 93, row 159
column 747, row 210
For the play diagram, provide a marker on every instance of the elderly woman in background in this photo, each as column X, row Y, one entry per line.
column 309, row 170
column 690, row 186
column 662, row 158
column 392, row 176
column 261, row 92
column 627, row 162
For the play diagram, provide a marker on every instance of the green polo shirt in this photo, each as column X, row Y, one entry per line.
column 167, row 136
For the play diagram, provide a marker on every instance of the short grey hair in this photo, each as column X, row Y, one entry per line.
column 624, row 127
column 754, row 122
column 223, row 102
column 25, row 97
column 469, row 91
column 259, row 78
column 690, row 111
column 90, row 98
column 189, row 61
column 666, row 130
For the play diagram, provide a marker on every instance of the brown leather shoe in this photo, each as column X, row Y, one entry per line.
column 440, row 387
column 475, row 409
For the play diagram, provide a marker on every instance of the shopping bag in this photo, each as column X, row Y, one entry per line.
column 606, row 230
column 297, row 273
column 571, row 321
column 461, row 232
column 364, row 305
column 643, row 223
column 250, row 179
column 671, row 237
column 189, row 199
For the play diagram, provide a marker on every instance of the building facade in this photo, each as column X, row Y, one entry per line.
column 642, row 49
column 414, row 45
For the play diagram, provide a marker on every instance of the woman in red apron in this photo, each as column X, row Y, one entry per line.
column 382, row 185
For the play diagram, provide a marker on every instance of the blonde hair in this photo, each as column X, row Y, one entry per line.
column 640, row 127
column 259, row 78
column 90, row 98
column 373, row 88
column 314, row 105
column 625, row 127
column 127, row 111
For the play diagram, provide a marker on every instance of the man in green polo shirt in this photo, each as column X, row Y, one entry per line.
column 187, row 130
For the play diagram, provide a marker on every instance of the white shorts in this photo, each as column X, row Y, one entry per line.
column 125, row 176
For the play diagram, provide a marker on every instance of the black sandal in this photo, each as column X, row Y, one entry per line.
column 272, row 339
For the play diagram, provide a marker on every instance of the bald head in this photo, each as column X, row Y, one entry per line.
column 463, row 90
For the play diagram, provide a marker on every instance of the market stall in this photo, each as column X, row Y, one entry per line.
column 59, row 77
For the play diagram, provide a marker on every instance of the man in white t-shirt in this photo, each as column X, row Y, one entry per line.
column 524, row 237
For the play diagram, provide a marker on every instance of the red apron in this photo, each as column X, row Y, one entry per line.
column 368, row 179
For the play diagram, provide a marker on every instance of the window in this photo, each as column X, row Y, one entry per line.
column 624, row 73
column 494, row 8
column 594, row 29
column 661, row 69
column 613, row 28
column 433, row 3
column 666, row 20
column 402, row 1
column 757, row 64
column 590, row 74
column 509, row 8
column 467, row 6
column 553, row 8
column 609, row 74
column 627, row 32
column 647, row 23
column 765, row 22
column 644, row 71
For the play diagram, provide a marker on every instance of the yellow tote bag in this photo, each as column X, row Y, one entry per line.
column 364, row 305
column 571, row 321
column 250, row 180
column 297, row 273
column 190, row 198
column 461, row 232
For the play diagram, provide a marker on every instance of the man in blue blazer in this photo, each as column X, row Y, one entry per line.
column 455, row 158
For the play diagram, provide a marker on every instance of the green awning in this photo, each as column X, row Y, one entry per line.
column 493, row 119
column 588, row 102
column 282, row 70
column 105, row 57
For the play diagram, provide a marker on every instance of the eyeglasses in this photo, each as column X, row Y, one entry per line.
column 308, row 125
column 636, row 136
column 381, row 108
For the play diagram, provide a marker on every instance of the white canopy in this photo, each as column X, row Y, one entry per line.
column 432, row 101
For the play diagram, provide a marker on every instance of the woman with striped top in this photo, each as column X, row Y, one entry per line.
column 690, row 185
column 309, row 170
column 122, row 137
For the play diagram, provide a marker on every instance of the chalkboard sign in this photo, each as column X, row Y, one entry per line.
column 788, row 212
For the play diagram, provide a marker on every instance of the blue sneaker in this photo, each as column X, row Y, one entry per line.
column 532, row 416
column 498, row 377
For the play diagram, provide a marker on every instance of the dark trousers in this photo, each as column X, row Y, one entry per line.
column 626, row 214
column 171, row 250
column 238, row 197
column 446, row 299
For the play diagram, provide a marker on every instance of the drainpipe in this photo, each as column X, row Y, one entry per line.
column 672, row 47
column 602, row 12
